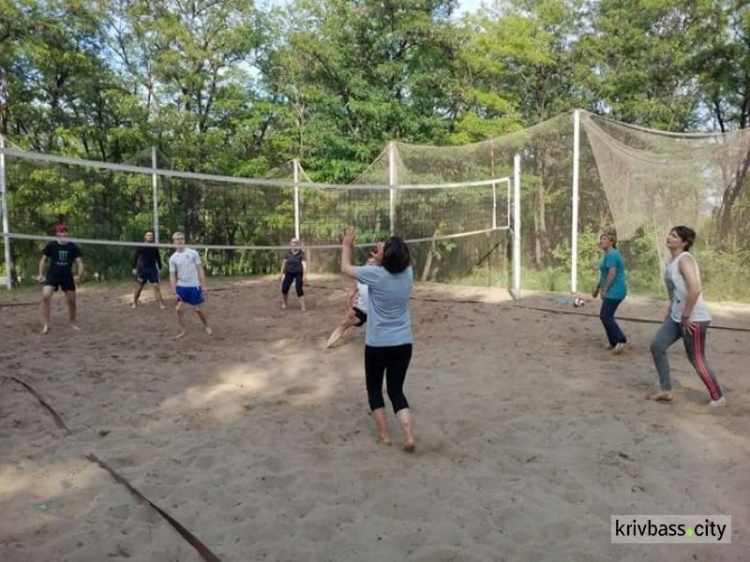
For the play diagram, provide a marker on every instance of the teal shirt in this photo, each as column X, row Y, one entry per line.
column 619, row 287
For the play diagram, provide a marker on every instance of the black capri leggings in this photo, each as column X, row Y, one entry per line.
column 287, row 283
column 393, row 362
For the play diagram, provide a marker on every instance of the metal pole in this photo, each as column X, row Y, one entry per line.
column 574, row 226
column 517, row 227
column 6, row 227
column 494, row 205
column 295, row 162
column 155, row 194
column 392, row 180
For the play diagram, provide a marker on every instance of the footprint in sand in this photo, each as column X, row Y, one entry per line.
column 299, row 390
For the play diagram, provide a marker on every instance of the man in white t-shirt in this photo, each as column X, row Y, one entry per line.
column 357, row 305
column 188, row 280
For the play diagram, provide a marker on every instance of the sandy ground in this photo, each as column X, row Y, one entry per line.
column 258, row 440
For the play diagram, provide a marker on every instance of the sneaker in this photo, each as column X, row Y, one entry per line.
column 619, row 348
column 718, row 403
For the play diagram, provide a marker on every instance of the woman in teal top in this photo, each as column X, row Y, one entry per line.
column 612, row 288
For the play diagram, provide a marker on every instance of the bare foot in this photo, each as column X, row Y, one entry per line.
column 161, row 305
column 661, row 396
column 178, row 336
column 208, row 330
column 76, row 328
column 283, row 306
column 133, row 305
column 45, row 330
column 385, row 439
column 409, row 446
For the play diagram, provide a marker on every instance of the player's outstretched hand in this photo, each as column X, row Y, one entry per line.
column 378, row 253
column 350, row 238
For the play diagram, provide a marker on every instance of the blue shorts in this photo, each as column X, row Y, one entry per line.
column 147, row 275
column 190, row 295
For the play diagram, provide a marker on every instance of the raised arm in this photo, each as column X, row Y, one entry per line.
column 346, row 253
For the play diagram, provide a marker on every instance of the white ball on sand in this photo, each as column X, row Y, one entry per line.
column 578, row 302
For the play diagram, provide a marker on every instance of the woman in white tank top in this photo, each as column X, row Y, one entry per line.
column 688, row 318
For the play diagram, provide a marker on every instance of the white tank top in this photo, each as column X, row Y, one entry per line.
column 677, row 289
column 362, row 297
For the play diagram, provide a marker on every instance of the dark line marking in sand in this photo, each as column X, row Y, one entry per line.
column 625, row 318
column 551, row 310
column 55, row 416
column 9, row 304
column 201, row 548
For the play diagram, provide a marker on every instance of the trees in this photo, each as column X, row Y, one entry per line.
column 229, row 88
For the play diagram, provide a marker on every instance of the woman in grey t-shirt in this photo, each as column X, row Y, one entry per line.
column 388, row 337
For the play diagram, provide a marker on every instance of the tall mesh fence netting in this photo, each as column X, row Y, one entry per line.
column 454, row 203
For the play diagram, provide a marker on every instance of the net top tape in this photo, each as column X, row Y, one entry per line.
column 257, row 182
column 127, row 244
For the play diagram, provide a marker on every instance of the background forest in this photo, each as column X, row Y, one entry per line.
column 238, row 88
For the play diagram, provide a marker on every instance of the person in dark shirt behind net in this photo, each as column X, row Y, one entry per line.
column 294, row 270
column 56, row 272
column 146, row 268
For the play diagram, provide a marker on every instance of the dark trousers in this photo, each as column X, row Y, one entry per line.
column 392, row 362
column 695, row 346
column 607, row 316
column 287, row 283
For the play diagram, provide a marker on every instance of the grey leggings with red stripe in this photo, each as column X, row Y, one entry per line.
column 695, row 345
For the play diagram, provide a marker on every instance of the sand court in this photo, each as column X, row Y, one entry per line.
column 258, row 439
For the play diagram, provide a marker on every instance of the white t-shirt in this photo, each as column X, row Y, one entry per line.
column 362, row 297
column 184, row 264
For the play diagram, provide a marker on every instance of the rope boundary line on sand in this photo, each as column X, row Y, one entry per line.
column 626, row 318
column 55, row 416
column 471, row 301
column 194, row 541
column 551, row 310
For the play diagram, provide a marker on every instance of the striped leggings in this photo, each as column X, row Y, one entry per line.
column 695, row 346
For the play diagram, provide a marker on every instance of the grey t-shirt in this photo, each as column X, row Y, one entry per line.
column 388, row 317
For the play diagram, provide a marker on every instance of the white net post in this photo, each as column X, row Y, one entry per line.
column 574, row 202
column 517, row 227
column 6, row 226
column 155, row 194
column 296, row 167
column 494, row 205
column 392, row 180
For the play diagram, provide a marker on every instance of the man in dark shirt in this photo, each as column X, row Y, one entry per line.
column 146, row 267
column 56, row 272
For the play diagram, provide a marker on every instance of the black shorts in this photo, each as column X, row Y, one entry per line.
column 64, row 282
column 361, row 316
column 147, row 275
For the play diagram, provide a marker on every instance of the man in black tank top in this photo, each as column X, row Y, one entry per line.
column 146, row 268
column 56, row 272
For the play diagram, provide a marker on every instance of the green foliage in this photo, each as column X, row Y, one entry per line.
column 234, row 89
